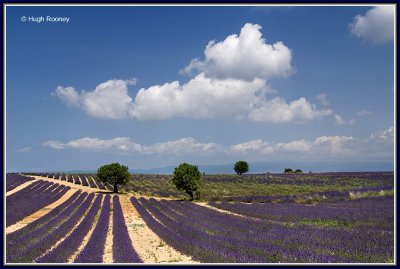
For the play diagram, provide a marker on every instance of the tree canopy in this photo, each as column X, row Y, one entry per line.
column 241, row 167
column 187, row 177
column 115, row 174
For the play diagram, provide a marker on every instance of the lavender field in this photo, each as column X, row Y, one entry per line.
column 347, row 218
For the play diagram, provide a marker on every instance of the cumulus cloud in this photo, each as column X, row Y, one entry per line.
column 231, row 83
column 244, row 56
column 109, row 100
column 335, row 144
column 185, row 145
column 376, row 26
column 67, row 94
column 278, row 110
column 201, row 97
column 258, row 146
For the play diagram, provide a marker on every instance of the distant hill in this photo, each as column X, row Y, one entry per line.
column 262, row 167
column 279, row 166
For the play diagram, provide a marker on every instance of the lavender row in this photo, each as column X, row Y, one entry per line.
column 14, row 180
column 226, row 244
column 21, row 207
column 84, row 180
column 30, row 252
column 364, row 240
column 16, row 201
column 99, row 183
column 207, row 248
column 378, row 210
column 328, row 195
column 123, row 251
column 372, row 240
column 32, row 188
column 272, row 242
column 76, row 180
column 81, row 179
column 91, row 182
column 170, row 236
column 94, row 250
column 43, row 220
column 33, row 235
column 63, row 251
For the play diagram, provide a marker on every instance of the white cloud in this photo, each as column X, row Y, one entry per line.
column 340, row 121
column 246, row 56
column 335, row 144
column 201, row 97
column 376, row 26
column 252, row 146
column 232, row 83
column 25, row 149
column 364, row 113
column 109, row 100
column 278, row 110
column 378, row 145
column 67, row 94
column 124, row 144
column 54, row 144
column 185, row 145
column 301, row 145
column 323, row 99
column 386, row 135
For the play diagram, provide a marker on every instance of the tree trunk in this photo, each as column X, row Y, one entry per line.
column 191, row 196
column 115, row 188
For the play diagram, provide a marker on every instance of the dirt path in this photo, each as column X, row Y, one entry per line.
column 40, row 213
column 218, row 209
column 147, row 244
column 20, row 187
column 108, row 253
column 87, row 237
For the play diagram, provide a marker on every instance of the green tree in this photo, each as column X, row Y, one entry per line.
column 187, row 177
column 115, row 174
column 288, row 170
column 298, row 171
column 241, row 167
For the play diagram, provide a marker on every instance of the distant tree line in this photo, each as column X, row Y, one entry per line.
column 290, row 171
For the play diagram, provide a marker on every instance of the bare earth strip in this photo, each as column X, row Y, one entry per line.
column 86, row 238
column 40, row 213
column 239, row 215
column 219, row 210
column 147, row 244
column 20, row 187
column 108, row 255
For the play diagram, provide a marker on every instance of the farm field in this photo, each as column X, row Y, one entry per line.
column 264, row 218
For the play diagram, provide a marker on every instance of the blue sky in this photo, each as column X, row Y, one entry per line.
column 157, row 86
